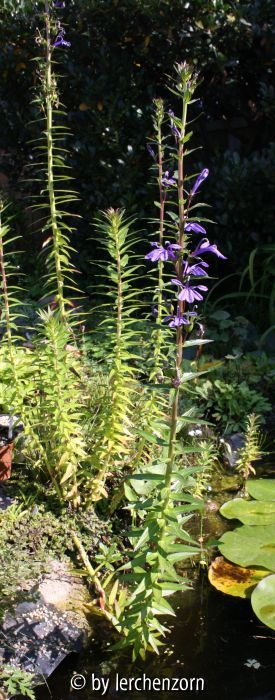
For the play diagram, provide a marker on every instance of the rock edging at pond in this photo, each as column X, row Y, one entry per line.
column 38, row 635
column 232, row 445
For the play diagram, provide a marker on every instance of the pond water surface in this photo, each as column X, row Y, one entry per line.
column 213, row 637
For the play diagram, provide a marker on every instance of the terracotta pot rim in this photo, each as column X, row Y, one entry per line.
column 6, row 461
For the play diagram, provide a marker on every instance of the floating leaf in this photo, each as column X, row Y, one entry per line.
column 262, row 489
column 249, row 512
column 250, row 546
column 263, row 601
column 234, row 580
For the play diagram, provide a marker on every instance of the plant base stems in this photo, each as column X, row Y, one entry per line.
column 95, row 580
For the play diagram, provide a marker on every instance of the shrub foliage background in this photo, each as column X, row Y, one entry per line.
column 120, row 53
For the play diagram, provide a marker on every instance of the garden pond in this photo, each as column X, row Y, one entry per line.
column 213, row 637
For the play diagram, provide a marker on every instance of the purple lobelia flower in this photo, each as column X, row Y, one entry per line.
column 189, row 293
column 163, row 253
column 60, row 41
column 59, row 4
column 196, row 270
column 204, row 173
column 179, row 319
column 167, row 180
column 205, row 246
column 193, row 226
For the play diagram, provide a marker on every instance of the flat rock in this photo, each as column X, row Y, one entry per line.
column 62, row 589
column 37, row 635
column 39, row 638
column 5, row 501
column 232, row 445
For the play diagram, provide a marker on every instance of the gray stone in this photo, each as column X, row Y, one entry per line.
column 40, row 639
column 42, row 629
column 40, row 634
column 232, row 445
column 5, row 501
column 25, row 608
column 9, row 622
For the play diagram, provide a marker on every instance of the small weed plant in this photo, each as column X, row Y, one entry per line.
column 252, row 449
column 15, row 681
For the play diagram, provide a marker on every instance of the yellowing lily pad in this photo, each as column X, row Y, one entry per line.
column 262, row 489
column 250, row 512
column 263, row 601
column 234, row 580
column 250, row 546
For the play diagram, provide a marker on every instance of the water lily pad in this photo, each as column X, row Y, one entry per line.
column 263, row 601
column 262, row 489
column 250, row 546
column 250, row 512
column 234, row 580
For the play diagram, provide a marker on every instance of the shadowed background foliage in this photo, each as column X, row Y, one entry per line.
column 121, row 52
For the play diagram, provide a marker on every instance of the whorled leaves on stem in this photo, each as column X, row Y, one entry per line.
column 115, row 432
column 58, row 415
column 53, row 175
column 16, row 362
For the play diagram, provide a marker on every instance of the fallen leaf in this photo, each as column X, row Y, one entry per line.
column 233, row 579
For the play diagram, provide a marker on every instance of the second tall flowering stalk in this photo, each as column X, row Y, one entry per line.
column 55, row 195
column 190, row 267
column 162, row 509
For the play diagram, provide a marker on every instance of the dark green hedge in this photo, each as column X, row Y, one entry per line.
column 120, row 54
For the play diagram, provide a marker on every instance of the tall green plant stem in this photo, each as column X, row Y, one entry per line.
column 181, row 225
column 159, row 335
column 50, row 96
column 119, row 301
column 172, row 439
column 91, row 573
column 179, row 338
column 88, row 566
column 6, row 296
column 100, row 478
column 60, row 490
